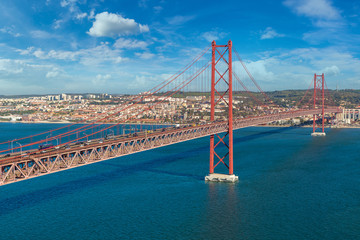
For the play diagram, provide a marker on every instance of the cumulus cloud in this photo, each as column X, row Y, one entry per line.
column 258, row 69
column 112, row 25
column 270, row 33
column 331, row 71
column 130, row 44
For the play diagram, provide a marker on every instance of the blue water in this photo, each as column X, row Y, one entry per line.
column 292, row 186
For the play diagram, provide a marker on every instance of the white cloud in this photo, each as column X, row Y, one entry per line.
column 41, row 34
column 294, row 69
column 64, row 3
column 130, row 44
column 20, row 76
column 112, row 25
column 319, row 9
column 258, row 69
column 145, row 55
column 9, row 66
column 92, row 14
column 270, row 33
column 62, row 55
column 90, row 56
column 180, row 20
column 10, row 30
column 143, row 28
column 74, row 10
column 331, row 71
column 71, row 4
column 81, row 16
column 321, row 12
column 52, row 74
column 39, row 54
column 213, row 35
column 101, row 79
column 57, row 23
column 145, row 81
column 27, row 51
column 330, row 25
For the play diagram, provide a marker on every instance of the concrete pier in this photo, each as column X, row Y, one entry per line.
column 316, row 134
column 217, row 177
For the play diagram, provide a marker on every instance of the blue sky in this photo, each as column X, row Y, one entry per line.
column 127, row 46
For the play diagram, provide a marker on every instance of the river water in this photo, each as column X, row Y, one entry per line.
column 291, row 186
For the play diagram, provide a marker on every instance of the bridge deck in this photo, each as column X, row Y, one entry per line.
column 35, row 163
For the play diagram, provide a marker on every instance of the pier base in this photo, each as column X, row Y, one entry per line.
column 217, row 177
column 315, row 134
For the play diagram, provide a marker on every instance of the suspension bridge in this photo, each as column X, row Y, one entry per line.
column 218, row 74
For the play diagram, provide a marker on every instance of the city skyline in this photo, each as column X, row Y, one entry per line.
column 75, row 46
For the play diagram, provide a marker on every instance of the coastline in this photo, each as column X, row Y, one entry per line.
column 67, row 122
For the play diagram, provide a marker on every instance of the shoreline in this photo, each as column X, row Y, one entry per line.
column 67, row 122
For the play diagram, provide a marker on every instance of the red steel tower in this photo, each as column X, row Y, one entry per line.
column 221, row 92
column 319, row 100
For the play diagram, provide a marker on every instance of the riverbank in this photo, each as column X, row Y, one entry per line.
column 164, row 124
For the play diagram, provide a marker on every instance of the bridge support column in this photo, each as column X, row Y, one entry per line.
column 221, row 91
column 319, row 97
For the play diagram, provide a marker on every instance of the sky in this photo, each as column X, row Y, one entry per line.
column 128, row 46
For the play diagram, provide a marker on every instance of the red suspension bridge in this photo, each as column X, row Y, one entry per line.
column 218, row 75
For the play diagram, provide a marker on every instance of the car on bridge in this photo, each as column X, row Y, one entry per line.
column 45, row 146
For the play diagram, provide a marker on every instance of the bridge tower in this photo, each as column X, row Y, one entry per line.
column 319, row 101
column 221, row 92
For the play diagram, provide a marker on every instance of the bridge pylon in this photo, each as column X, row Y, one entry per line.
column 221, row 92
column 319, row 101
